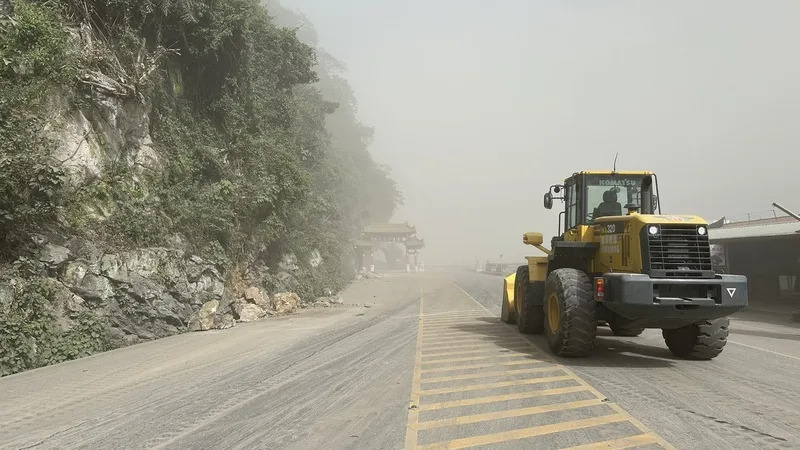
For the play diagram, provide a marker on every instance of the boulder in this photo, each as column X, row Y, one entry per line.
column 203, row 319
column 254, row 295
column 54, row 255
column 285, row 302
column 250, row 312
column 224, row 321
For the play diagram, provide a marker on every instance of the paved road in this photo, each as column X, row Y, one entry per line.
column 428, row 365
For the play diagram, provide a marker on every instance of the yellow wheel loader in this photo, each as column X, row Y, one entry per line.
column 619, row 261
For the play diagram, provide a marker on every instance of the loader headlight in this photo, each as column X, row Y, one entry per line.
column 702, row 231
column 652, row 230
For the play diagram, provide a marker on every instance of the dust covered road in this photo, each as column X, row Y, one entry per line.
column 428, row 365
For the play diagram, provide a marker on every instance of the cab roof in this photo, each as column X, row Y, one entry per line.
column 611, row 172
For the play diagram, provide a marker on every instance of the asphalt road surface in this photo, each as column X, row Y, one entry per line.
column 428, row 365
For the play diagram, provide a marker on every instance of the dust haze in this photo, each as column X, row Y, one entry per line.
column 479, row 107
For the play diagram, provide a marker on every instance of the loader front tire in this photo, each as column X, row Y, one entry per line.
column 571, row 313
column 530, row 317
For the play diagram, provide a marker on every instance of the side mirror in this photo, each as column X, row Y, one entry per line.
column 532, row 238
column 548, row 200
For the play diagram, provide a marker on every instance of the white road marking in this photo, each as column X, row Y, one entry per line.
column 764, row 350
column 473, row 298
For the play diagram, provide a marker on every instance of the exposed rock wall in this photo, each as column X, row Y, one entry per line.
column 145, row 293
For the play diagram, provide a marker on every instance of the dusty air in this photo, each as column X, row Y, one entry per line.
column 299, row 224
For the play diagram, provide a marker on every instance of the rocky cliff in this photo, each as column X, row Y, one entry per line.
column 167, row 169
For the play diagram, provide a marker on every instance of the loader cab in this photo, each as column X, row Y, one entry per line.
column 588, row 196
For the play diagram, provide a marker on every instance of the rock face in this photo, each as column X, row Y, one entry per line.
column 146, row 293
column 203, row 319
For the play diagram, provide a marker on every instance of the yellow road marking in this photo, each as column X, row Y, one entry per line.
column 449, row 327
column 482, row 365
column 501, row 398
column 467, row 346
column 471, row 376
column 413, row 408
column 459, row 334
column 626, row 442
column 644, row 429
column 480, row 387
column 463, row 420
column 476, row 358
column 449, row 343
column 494, row 349
column 528, row 432
column 451, row 317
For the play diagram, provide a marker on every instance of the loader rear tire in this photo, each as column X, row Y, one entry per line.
column 702, row 340
column 530, row 317
column 571, row 313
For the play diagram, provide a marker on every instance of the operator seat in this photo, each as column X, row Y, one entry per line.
column 609, row 207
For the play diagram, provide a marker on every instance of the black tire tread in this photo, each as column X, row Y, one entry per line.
column 702, row 341
column 530, row 319
column 626, row 332
column 579, row 315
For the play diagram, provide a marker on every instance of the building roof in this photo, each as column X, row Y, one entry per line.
column 390, row 228
column 755, row 229
column 415, row 243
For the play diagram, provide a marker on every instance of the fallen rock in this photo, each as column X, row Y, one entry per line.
column 254, row 295
column 224, row 321
column 203, row 319
column 327, row 302
column 285, row 302
column 250, row 312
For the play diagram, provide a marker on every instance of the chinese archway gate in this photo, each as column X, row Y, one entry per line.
column 374, row 235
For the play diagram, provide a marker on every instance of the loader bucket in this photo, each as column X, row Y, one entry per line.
column 508, row 287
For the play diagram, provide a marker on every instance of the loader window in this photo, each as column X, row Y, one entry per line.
column 607, row 195
column 572, row 206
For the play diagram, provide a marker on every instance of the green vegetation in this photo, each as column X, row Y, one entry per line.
column 259, row 151
column 237, row 118
column 30, row 335
column 34, row 60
